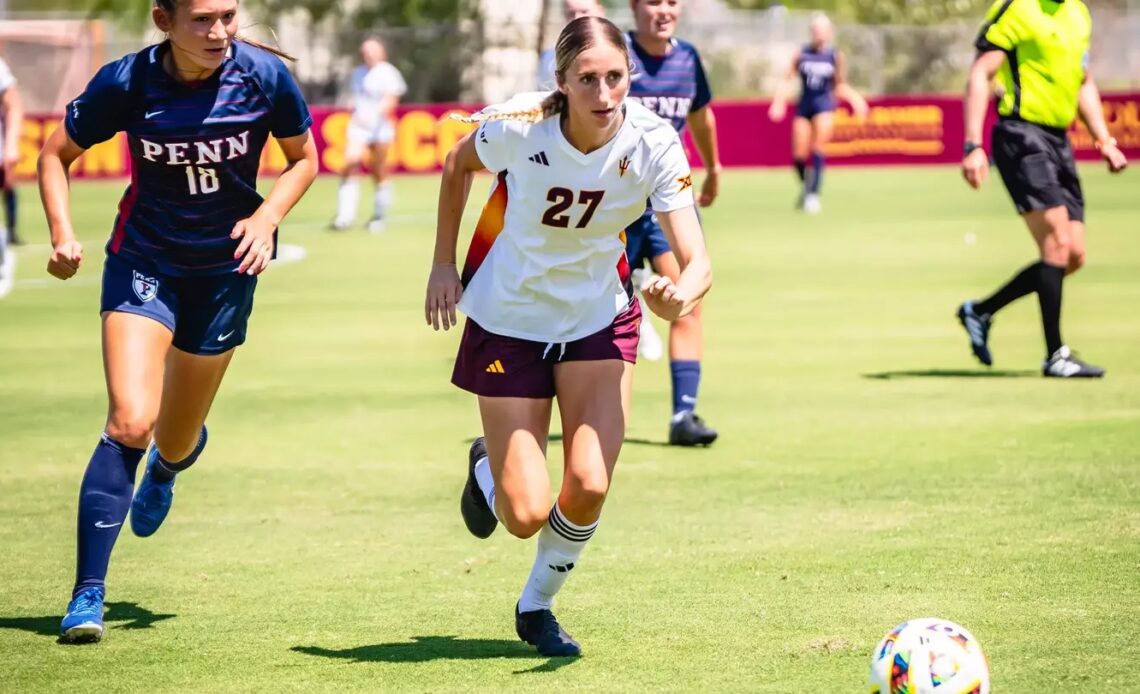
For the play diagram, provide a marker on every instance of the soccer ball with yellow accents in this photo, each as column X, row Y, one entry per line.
column 929, row 656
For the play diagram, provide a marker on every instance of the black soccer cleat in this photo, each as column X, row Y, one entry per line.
column 1065, row 364
column 541, row 630
column 977, row 326
column 691, row 430
column 477, row 515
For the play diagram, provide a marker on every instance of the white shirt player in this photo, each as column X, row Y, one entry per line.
column 7, row 81
column 370, row 86
column 552, row 271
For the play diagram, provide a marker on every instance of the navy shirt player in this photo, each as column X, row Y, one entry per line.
column 191, row 236
column 669, row 80
column 822, row 73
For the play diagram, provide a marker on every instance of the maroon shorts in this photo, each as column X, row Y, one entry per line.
column 496, row 366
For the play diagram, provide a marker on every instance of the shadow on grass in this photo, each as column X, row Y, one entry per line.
column 132, row 616
column 950, row 373
column 422, row 649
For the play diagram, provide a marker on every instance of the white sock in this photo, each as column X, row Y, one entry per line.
column 382, row 199
column 486, row 483
column 347, row 197
column 559, row 545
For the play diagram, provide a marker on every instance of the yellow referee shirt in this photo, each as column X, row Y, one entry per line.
column 1046, row 44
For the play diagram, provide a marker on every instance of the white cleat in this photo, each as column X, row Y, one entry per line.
column 376, row 225
column 1065, row 364
column 812, row 204
column 650, row 347
column 7, row 271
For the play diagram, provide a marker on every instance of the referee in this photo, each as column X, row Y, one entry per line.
column 1039, row 51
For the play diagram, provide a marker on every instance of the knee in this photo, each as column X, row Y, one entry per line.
column 584, row 494
column 1076, row 260
column 523, row 518
column 130, row 429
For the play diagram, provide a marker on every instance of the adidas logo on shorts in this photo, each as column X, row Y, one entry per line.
column 496, row 367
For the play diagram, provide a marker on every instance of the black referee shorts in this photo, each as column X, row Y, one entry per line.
column 1037, row 166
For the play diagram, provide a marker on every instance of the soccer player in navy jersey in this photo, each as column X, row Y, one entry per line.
column 669, row 80
column 822, row 72
column 191, row 236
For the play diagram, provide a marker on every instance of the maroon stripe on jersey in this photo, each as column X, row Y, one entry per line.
column 126, row 206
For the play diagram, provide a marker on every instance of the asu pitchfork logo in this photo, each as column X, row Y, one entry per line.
column 623, row 166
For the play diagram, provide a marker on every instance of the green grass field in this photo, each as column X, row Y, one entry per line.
column 868, row 470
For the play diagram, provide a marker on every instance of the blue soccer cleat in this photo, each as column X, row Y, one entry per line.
column 977, row 326
column 152, row 500
column 84, row 620
column 541, row 630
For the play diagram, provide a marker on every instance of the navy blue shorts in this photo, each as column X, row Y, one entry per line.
column 208, row 315
column 810, row 108
column 645, row 240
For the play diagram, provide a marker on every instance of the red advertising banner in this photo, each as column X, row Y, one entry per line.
column 898, row 130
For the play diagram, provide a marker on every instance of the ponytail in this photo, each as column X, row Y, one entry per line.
column 266, row 47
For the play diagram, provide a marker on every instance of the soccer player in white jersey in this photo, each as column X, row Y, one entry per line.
column 550, row 310
column 11, row 119
column 376, row 90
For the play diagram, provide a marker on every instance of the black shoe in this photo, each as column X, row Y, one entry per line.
column 1065, row 364
column 541, row 630
column 472, row 504
column 977, row 326
column 691, row 430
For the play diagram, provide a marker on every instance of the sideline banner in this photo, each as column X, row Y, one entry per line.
column 898, row 130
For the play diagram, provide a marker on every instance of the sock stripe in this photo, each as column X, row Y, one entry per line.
column 567, row 530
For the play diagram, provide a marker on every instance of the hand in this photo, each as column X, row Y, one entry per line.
column 257, row 244
column 861, row 109
column 11, row 160
column 777, row 111
column 65, row 259
column 1115, row 159
column 710, row 189
column 443, row 292
column 663, row 298
column 976, row 168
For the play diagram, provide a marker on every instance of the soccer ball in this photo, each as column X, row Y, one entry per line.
column 929, row 656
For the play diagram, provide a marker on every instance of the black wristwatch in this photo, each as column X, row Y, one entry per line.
column 969, row 147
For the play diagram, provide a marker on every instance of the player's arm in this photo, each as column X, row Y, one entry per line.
column 702, row 124
column 843, row 88
column 12, row 113
column 779, row 107
column 257, row 232
column 975, row 164
column 444, row 287
column 53, row 167
column 1092, row 115
column 682, row 229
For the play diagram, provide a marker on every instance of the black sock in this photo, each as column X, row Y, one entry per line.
column 1024, row 282
column 165, row 470
column 10, row 213
column 801, row 169
column 1050, row 280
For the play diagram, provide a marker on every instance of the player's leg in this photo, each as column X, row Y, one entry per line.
column 801, row 150
column 382, row 197
column 822, row 125
column 11, row 202
column 212, row 322
column 686, row 350
column 348, row 192
column 7, row 256
column 134, row 352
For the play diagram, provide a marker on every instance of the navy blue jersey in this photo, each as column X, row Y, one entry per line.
column 673, row 85
column 817, row 75
column 195, row 151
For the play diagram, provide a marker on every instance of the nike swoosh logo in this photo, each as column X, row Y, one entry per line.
column 101, row 524
column 223, row 338
column 151, row 114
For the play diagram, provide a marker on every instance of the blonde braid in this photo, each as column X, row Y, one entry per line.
column 554, row 103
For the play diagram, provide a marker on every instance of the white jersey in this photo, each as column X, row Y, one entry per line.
column 369, row 89
column 547, row 261
column 7, row 81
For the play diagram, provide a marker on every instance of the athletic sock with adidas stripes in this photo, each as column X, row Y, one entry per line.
column 560, row 543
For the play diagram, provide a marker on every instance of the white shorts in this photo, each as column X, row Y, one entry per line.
column 360, row 137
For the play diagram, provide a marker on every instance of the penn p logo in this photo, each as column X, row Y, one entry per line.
column 146, row 288
column 623, row 166
column 686, row 182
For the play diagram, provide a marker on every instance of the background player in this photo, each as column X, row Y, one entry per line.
column 571, row 10
column 191, row 235
column 670, row 81
column 11, row 121
column 1041, row 97
column 550, row 312
column 376, row 90
column 822, row 71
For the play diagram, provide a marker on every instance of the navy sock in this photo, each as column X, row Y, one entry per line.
column 165, row 470
column 686, row 381
column 816, row 172
column 801, row 169
column 10, row 213
column 104, row 499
